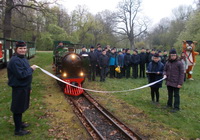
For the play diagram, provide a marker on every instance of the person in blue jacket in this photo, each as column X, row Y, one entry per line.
column 20, row 78
column 112, row 63
column 120, row 62
column 155, row 72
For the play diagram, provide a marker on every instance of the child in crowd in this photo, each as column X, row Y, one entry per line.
column 155, row 72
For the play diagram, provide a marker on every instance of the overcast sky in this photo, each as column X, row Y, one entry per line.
column 154, row 9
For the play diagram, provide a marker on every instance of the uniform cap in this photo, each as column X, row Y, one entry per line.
column 20, row 43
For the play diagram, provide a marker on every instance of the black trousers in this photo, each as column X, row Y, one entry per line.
column 98, row 71
column 92, row 72
column 172, row 91
column 128, row 68
column 142, row 70
column 112, row 71
column 154, row 91
column 123, row 71
column 18, row 121
column 135, row 71
column 103, row 73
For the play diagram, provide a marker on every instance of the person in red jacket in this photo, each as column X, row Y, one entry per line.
column 174, row 73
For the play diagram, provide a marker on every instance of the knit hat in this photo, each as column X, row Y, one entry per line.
column 20, row 43
column 172, row 51
column 156, row 55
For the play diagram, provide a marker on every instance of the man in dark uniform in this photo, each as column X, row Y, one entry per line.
column 92, row 63
column 123, row 69
column 135, row 59
column 127, row 63
column 99, row 53
column 83, row 51
column 20, row 78
column 142, row 63
column 165, row 56
column 148, row 53
column 85, row 61
column 103, row 64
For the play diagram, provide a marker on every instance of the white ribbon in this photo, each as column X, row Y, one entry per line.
column 55, row 77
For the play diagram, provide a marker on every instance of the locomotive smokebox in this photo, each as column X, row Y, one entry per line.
column 72, row 65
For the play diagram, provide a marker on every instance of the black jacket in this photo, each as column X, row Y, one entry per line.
column 92, row 57
column 19, row 78
column 19, row 72
column 152, row 69
column 127, row 59
column 135, row 59
column 142, row 58
column 103, row 61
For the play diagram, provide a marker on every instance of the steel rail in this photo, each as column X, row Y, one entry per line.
column 110, row 117
column 87, row 120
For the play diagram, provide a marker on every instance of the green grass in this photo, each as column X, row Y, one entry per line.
column 49, row 111
column 32, row 115
column 184, row 124
column 50, row 116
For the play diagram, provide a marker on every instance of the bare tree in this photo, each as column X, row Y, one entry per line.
column 130, row 24
column 183, row 12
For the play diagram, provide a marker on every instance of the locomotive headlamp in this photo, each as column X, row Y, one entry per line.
column 64, row 74
column 73, row 56
column 81, row 74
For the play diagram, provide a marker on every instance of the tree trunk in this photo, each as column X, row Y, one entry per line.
column 7, row 19
column 132, row 43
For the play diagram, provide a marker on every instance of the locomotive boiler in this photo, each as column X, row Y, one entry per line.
column 68, row 65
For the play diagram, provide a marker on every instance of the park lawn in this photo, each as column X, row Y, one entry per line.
column 150, row 120
column 52, row 117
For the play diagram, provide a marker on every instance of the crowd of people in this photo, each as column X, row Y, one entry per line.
column 153, row 64
column 102, row 62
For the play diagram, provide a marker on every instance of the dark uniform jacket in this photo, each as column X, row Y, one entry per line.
column 135, row 59
column 104, row 61
column 19, row 78
column 175, row 73
column 120, row 60
column 92, row 57
column 127, row 59
column 164, row 60
column 142, row 58
column 152, row 69
column 148, row 57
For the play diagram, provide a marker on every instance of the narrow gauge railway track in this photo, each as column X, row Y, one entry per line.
column 100, row 123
